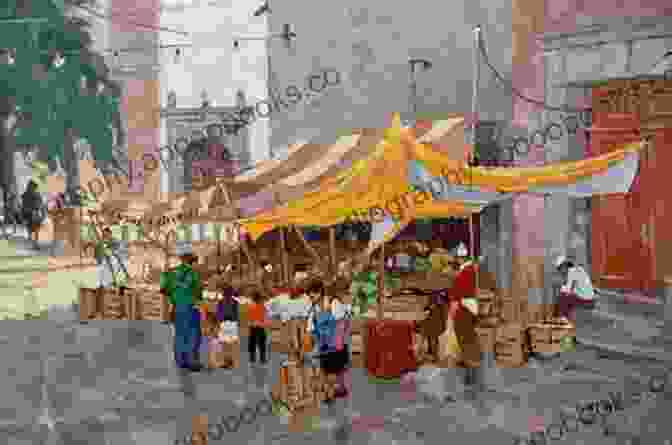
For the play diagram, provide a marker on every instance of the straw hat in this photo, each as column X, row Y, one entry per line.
column 183, row 248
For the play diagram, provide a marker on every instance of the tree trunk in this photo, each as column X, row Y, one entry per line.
column 7, row 166
column 71, row 167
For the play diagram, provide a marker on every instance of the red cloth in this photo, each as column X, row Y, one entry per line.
column 465, row 284
column 463, row 287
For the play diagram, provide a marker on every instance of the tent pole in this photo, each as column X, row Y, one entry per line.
column 283, row 255
column 309, row 248
column 472, row 247
column 332, row 249
column 381, row 282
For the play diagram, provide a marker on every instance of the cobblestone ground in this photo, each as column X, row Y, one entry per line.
column 113, row 383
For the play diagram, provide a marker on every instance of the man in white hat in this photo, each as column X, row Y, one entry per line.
column 184, row 288
column 578, row 289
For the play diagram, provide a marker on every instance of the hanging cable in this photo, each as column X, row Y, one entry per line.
column 129, row 22
column 509, row 85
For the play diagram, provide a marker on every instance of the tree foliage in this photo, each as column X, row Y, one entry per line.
column 49, row 99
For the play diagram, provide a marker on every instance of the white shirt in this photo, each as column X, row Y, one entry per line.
column 583, row 287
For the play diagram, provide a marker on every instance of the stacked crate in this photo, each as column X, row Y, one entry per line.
column 409, row 308
column 276, row 333
column 87, row 303
column 488, row 320
column 358, row 343
column 299, row 387
column 152, row 305
column 117, row 306
column 546, row 337
column 511, row 349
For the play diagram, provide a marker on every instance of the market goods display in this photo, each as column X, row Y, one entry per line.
column 547, row 337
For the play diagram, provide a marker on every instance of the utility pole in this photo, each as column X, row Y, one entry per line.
column 287, row 35
column 425, row 65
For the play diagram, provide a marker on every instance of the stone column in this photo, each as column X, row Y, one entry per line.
column 528, row 218
column 557, row 207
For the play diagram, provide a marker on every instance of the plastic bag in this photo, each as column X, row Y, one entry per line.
column 449, row 345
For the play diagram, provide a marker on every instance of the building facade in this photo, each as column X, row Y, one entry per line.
column 206, row 66
column 600, row 49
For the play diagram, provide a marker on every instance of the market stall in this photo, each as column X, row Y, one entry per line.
column 431, row 184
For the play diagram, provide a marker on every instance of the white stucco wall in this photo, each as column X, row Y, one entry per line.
column 212, row 64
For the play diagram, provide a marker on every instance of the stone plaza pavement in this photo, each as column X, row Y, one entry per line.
column 112, row 382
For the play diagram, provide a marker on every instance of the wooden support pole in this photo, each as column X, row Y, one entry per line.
column 381, row 282
column 472, row 247
column 283, row 256
column 332, row 250
column 250, row 260
column 310, row 249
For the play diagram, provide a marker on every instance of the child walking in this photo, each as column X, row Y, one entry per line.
column 258, row 323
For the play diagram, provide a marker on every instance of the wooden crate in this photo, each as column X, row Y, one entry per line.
column 510, row 310
column 511, row 333
column 487, row 336
column 199, row 429
column 539, row 333
column 87, row 303
column 301, row 418
column 117, row 306
column 225, row 355
column 151, row 305
column 357, row 343
column 358, row 360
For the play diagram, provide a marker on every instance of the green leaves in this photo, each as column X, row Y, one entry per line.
column 51, row 95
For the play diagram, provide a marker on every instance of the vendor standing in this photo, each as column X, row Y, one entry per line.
column 184, row 289
column 463, row 348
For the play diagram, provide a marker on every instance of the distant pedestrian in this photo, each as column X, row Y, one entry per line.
column 578, row 290
column 32, row 210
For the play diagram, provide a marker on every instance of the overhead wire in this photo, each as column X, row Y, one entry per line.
column 129, row 22
column 509, row 85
